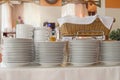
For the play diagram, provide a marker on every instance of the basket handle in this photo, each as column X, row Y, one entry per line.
column 81, row 31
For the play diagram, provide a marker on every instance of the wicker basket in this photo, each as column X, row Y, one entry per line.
column 97, row 28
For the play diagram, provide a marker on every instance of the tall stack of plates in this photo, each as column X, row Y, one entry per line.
column 83, row 52
column 41, row 34
column 110, row 52
column 24, row 31
column 50, row 53
column 17, row 52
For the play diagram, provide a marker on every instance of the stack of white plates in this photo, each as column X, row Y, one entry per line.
column 24, row 31
column 17, row 52
column 110, row 52
column 41, row 34
column 83, row 52
column 50, row 53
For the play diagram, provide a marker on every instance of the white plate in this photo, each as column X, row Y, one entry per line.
column 110, row 56
column 82, row 64
column 16, row 61
column 84, row 48
column 110, row 63
column 55, row 50
column 41, row 37
column 83, row 56
column 13, row 47
column 50, row 60
column 77, row 54
column 50, row 64
column 82, row 45
column 84, row 40
column 17, row 50
column 60, row 61
column 16, row 40
column 14, row 64
column 83, row 60
column 17, row 54
column 24, row 33
column 110, row 59
column 22, row 45
column 17, row 57
column 24, row 26
column 41, row 33
column 82, row 52
column 51, row 57
column 49, row 54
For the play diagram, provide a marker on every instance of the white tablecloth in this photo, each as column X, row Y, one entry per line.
column 79, row 73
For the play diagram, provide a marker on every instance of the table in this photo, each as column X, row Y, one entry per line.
column 58, row 73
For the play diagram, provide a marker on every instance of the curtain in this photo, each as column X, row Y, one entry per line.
column 6, row 17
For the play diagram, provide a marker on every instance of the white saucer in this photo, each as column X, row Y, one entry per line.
column 82, row 64
column 110, row 63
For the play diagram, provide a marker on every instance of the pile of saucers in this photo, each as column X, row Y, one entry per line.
column 24, row 31
column 41, row 34
column 17, row 52
column 50, row 53
column 110, row 52
column 83, row 52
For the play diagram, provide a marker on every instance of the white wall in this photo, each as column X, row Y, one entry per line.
column 114, row 12
column 68, row 10
column 50, row 14
column 101, row 10
column 36, row 15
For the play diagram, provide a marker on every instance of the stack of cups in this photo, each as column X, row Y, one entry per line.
column 24, row 31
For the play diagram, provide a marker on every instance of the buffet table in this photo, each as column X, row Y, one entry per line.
column 58, row 73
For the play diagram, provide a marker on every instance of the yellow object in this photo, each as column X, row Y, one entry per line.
column 52, row 38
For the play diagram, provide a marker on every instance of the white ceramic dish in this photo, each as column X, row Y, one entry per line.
column 14, row 64
column 50, row 64
column 82, row 64
column 16, row 40
column 110, row 63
